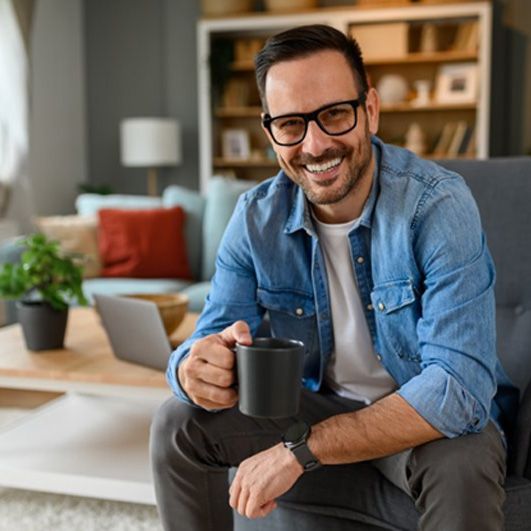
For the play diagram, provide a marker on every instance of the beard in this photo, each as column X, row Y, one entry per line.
column 330, row 191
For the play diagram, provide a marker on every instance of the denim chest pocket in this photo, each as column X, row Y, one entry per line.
column 292, row 315
column 396, row 310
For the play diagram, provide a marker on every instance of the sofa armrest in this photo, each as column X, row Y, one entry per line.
column 11, row 250
column 521, row 461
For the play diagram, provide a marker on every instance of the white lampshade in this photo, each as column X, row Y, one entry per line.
column 150, row 142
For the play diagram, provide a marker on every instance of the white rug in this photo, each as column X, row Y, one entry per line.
column 22, row 510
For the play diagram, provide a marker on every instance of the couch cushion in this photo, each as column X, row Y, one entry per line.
column 194, row 206
column 77, row 235
column 89, row 204
column 222, row 196
column 143, row 243
column 122, row 286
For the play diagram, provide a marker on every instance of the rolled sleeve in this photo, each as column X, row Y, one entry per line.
column 445, row 403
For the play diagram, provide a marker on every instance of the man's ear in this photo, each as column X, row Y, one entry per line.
column 372, row 106
column 265, row 130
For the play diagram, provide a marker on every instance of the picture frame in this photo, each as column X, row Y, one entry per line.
column 457, row 83
column 235, row 144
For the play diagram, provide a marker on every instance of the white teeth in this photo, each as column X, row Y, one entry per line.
column 318, row 168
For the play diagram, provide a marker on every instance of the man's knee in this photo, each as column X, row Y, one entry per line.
column 464, row 465
column 174, row 428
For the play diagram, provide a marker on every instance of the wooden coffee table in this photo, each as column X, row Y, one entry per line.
column 93, row 439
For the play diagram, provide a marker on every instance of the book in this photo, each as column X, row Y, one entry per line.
column 466, row 37
column 457, row 139
column 467, row 139
column 445, row 137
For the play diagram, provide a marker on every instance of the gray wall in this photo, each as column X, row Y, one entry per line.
column 140, row 61
column 57, row 143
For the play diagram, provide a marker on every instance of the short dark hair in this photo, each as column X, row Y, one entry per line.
column 303, row 41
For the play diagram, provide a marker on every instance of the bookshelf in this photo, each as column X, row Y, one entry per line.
column 447, row 46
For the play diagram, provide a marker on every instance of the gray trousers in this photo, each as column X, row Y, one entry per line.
column 456, row 484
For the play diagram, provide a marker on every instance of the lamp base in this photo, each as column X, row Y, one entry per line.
column 152, row 186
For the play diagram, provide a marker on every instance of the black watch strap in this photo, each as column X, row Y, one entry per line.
column 295, row 439
column 305, row 457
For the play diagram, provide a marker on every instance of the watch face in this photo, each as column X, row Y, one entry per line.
column 296, row 432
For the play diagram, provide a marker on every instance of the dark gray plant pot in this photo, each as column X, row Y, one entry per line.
column 43, row 327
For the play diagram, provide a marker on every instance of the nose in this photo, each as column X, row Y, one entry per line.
column 316, row 140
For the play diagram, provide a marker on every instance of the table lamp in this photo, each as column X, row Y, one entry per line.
column 150, row 143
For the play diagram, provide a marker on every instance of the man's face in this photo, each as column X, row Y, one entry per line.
column 327, row 168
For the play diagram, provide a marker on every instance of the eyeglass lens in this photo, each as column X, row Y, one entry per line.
column 334, row 120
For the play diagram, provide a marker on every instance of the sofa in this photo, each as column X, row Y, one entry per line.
column 205, row 219
column 325, row 500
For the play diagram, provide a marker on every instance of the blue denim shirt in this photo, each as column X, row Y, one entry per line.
column 425, row 279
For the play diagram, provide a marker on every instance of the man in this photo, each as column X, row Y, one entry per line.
column 376, row 260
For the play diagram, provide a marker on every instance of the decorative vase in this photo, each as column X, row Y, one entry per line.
column 416, row 139
column 392, row 88
column 43, row 327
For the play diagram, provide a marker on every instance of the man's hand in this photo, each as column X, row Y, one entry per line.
column 261, row 479
column 208, row 373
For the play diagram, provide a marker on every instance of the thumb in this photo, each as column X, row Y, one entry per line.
column 239, row 332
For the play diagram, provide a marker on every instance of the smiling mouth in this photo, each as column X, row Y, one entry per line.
column 324, row 166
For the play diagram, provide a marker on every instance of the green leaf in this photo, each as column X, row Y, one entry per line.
column 43, row 272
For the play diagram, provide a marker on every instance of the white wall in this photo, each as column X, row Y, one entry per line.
column 57, row 110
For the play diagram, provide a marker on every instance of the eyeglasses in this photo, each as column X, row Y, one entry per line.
column 334, row 119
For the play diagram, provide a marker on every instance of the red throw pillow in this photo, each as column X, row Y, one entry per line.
column 143, row 243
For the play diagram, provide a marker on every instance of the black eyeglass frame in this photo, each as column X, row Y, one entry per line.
column 314, row 117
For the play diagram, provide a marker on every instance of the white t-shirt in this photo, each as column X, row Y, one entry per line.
column 353, row 371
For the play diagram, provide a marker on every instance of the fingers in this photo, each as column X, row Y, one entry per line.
column 247, row 505
column 213, row 351
column 239, row 332
column 208, row 373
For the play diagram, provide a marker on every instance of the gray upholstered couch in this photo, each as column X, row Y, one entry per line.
column 326, row 499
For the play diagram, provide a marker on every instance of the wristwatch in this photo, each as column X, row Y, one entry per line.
column 295, row 440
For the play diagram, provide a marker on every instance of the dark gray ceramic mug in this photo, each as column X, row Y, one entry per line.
column 270, row 377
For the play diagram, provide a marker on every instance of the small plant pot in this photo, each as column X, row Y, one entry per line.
column 43, row 327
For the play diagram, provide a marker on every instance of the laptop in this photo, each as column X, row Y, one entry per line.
column 135, row 330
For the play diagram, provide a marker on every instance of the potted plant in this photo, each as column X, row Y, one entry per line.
column 44, row 283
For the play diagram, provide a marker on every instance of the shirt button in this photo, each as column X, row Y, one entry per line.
column 378, row 357
column 360, row 259
column 370, row 307
column 299, row 311
column 381, row 306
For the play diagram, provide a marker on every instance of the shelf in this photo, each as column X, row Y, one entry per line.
column 454, row 22
column 450, row 56
column 419, row 58
column 250, row 163
column 254, row 112
column 407, row 107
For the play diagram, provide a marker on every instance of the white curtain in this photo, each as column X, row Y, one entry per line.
column 13, row 96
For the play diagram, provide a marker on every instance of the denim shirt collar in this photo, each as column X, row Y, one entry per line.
column 300, row 216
